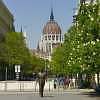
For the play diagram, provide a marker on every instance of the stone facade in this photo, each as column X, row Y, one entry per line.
column 6, row 19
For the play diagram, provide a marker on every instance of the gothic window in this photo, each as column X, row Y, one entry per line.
column 45, row 37
column 49, row 48
column 49, row 37
column 57, row 38
column 53, row 37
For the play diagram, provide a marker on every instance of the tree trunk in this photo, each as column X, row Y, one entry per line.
column 98, row 78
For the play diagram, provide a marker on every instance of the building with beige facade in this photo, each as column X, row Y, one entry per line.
column 6, row 19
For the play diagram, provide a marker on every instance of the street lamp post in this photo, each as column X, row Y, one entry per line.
column 6, row 79
column 6, row 74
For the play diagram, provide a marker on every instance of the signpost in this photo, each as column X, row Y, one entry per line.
column 17, row 71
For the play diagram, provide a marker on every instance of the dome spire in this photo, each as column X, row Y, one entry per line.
column 51, row 16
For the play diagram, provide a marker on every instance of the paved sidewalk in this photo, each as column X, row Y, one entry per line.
column 73, row 94
column 48, row 93
column 60, row 91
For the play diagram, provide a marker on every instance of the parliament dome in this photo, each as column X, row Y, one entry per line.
column 52, row 26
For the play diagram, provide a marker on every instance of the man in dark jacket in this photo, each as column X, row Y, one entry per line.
column 42, row 77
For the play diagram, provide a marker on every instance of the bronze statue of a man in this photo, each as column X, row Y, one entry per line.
column 42, row 78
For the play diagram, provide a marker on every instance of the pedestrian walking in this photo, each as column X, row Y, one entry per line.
column 55, row 83
column 42, row 78
column 37, row 79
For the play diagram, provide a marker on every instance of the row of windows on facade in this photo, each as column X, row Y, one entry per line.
column 53, row 37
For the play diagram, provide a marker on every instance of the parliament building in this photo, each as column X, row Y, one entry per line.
column 50, row 39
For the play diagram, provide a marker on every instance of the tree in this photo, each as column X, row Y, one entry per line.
column 38, row 64
column 13, row 51
column 82, row 42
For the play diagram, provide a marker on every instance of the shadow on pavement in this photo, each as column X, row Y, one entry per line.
column 92, row 94
column 48, row 96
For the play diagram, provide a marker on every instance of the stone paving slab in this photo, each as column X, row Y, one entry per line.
column 31, row 96
column 61, row 91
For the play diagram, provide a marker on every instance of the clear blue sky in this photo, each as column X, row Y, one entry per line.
column 33, row 14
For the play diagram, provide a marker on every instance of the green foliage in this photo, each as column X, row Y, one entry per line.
column 13, row 51
column 81, row 48
column 58, row 60
column 38, row 64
